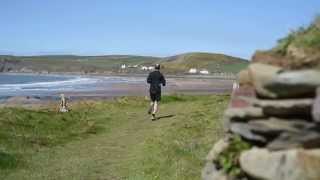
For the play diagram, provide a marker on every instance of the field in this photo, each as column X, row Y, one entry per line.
column 112, row 139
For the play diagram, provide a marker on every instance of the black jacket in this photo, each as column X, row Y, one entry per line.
column 155, row 79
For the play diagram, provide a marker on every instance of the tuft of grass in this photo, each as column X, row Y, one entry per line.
column 229, row 159
column 8, row 161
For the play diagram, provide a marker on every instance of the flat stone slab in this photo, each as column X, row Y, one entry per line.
column 286, row 108
column 243, row 114
column 292, row 164
column 303, row 139
column 266, row 130
column 293, row 84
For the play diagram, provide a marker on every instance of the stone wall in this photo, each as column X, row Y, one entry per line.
column 276, row 115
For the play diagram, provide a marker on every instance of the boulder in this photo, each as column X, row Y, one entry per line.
column 286, row 108
column 316, row 107
column 293, row 84
column 243, row 114
column 281, row 165
column 262, row 74
column 304, row 139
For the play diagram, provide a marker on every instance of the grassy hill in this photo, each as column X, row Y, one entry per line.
column 299, row 49
column 111, row 64
column 70, row 63
column 209, row 61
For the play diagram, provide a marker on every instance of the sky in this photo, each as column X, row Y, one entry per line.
column 148, row 27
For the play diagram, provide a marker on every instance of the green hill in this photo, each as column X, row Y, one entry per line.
column 209, row 61
column 71, row 63
column 111, row 64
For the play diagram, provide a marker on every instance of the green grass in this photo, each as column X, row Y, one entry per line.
column 111, row 139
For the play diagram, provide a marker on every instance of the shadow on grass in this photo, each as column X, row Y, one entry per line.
column 164, row 117
column 7, row 161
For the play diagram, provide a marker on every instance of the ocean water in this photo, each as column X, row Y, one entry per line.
column 53, row 85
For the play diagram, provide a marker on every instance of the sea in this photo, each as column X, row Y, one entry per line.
column 52, row 85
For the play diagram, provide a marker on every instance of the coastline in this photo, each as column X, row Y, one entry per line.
column 175, row 85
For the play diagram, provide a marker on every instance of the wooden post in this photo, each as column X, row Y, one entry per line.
column 63, row 104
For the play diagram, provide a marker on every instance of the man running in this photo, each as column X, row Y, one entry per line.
column 155, row 79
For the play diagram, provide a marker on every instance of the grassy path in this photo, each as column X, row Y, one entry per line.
column 131, row 146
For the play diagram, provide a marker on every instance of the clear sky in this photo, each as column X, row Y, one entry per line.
column 148, row 27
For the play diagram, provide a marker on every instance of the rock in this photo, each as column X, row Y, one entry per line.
column 264, row 130
column 243, row 114
column 286, row 108
column 262, row 75
column 293, row 84
column 282, row 165
column 303, row 139
column 217, row 149
column 275, row 126
column 316, row 107
column 244, row 78
column 245, row 131
column 210, row 172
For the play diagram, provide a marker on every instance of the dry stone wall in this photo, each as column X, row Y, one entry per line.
column 277, row 113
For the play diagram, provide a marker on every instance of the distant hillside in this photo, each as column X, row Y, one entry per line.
column 300, row 49
column 208, row 61
column 71, row 63
column 111, row 64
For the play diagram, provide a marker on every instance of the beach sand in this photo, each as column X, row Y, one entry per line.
column 190, row 86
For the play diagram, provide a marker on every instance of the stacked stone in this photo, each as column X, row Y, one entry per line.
column 277, row 111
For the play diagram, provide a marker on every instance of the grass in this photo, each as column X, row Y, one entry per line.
column 111, row 139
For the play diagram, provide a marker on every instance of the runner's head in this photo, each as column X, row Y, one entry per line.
column 157, row 66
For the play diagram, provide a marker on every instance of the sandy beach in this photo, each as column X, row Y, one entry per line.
column 191, row 86
column 194, row 86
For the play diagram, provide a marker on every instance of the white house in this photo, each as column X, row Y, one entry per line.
column 204, row 71
column 193, row 71
column 123, row 66
column 150, row 68
column 144, row 68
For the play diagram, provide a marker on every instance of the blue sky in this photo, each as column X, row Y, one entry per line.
column 148, row 27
